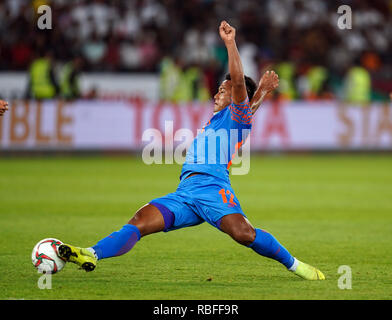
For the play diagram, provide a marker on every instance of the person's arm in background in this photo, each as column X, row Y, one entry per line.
column 3, row 107
column 238, row 86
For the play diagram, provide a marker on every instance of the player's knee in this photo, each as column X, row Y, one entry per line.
column 148, row 220
column 138, row 222
column 244, row 236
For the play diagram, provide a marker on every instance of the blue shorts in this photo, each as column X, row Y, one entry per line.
column 197, row 199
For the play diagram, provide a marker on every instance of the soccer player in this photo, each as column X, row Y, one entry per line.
column 3, row 107
column 204, row 192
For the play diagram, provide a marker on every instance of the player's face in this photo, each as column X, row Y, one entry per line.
column 223, row 97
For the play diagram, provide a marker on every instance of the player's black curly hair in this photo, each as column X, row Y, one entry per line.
column 249, row 83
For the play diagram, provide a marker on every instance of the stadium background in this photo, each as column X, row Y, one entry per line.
column 167, row 55
column 108, row 70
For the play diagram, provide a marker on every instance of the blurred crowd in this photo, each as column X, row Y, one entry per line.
column 299, row 39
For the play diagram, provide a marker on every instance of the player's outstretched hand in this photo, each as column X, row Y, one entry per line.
column 269, row 81
column 3, row 107
column 226, row 31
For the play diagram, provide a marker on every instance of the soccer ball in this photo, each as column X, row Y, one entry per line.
column 45, row 256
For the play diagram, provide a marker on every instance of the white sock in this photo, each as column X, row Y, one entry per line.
column 93, row 252
column 294, row 266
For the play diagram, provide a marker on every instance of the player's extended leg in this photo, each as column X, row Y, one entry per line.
column 265, row 244
column 147, row 220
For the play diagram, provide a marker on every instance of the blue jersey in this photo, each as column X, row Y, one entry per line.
column 214, row 147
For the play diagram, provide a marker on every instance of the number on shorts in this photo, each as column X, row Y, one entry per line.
column 223, row 193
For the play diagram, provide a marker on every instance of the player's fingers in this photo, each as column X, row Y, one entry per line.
column 228, row 28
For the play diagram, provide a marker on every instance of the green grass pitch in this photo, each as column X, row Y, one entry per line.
column 328, row 210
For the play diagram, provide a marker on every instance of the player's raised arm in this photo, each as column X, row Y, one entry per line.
column 3, row 107
column 227, row 34
column 268, row 82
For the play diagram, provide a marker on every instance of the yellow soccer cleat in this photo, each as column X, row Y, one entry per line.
column 80, row 256
column 308, row 272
